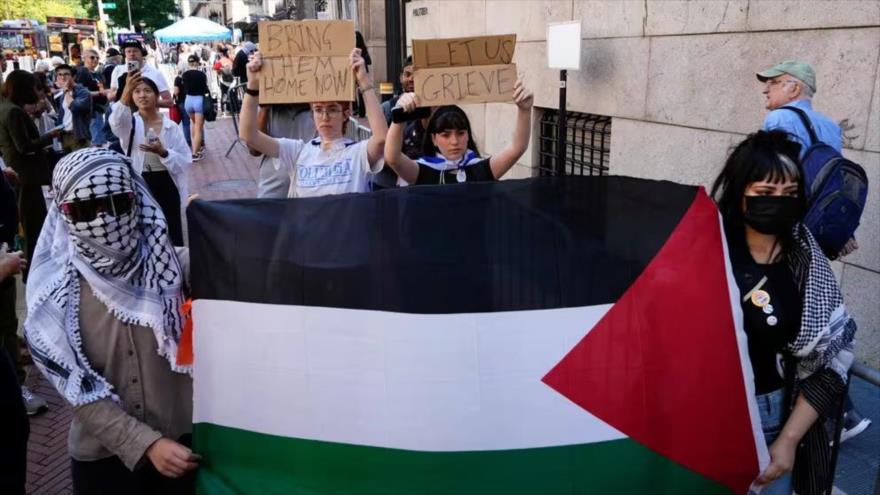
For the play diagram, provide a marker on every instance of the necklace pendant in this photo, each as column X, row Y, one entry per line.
column 460, row 176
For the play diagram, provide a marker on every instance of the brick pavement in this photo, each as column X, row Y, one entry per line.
column 213, row 178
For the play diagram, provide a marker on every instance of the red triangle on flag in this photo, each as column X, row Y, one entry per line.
column 663, row 366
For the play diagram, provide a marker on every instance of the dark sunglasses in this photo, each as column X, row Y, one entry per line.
column 87, row 210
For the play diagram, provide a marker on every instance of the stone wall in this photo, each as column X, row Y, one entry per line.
column 678, row 79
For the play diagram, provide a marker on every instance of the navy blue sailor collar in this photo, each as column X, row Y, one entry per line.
column 336, row 145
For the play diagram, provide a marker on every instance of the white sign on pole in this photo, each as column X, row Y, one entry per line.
column 564, row 45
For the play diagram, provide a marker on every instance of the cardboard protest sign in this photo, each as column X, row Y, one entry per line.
column 474, row 84
column 459, row 52
column 464, row 70
column 305, row 61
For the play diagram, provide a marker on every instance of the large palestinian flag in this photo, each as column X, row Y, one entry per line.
column 542, row 336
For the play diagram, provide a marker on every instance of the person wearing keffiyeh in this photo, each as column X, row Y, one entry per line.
column 449, row 152
column 103, row 325
column 800, row 336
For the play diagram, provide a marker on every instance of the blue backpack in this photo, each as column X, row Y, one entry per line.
column 836, row 192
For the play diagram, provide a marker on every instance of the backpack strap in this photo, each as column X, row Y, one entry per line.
column 805, row 120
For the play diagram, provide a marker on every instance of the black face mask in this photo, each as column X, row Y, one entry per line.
column 774, row 215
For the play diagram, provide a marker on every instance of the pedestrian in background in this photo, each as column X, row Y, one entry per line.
column 157, row 149
column 23, row 150
column 92, row 78
column 195, row 85
column 73, row 105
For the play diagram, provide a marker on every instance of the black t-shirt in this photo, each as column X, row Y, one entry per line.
column 90, row 80
column 108, row 72
column 478, row 172
column 195, row 82
column 766, row 340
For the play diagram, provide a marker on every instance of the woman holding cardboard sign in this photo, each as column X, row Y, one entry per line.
column 449, row 153
column 330, row 164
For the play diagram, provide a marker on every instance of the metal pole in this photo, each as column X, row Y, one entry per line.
column 560, row 125
column 393, row 41
column 130, row 24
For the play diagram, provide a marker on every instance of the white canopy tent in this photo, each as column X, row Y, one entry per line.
column 193, row 29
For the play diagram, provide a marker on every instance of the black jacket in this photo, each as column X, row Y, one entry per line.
column 239, row 66
column 22, row 146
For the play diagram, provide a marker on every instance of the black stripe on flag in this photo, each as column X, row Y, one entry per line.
column 513, row 245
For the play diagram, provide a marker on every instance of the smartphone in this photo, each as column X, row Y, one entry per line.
column 398, row 116
column 133, row 65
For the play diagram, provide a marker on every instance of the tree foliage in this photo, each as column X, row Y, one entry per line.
column 153, row 13
column 39, row 9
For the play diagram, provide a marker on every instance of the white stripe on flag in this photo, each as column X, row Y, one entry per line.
column 410, row 381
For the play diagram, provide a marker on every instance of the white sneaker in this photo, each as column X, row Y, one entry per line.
column 33, row 403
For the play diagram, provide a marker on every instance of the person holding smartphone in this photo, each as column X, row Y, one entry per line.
column 156, row 146
column 134, row 63
column 74, row 107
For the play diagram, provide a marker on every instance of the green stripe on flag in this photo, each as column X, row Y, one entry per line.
column 257, row 463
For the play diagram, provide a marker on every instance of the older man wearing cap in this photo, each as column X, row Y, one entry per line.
column 134, row 53
column 792, row 83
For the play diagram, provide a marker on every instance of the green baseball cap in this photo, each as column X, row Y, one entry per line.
column 795, row 68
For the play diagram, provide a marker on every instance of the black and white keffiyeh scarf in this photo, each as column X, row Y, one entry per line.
column 827, row 330
column 128, row 262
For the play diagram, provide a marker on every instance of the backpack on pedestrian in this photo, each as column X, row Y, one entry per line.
column 836, row 189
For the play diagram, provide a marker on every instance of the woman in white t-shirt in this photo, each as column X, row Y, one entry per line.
column 330, row 163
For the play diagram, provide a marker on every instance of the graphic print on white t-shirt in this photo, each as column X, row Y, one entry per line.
column 325, row 174
column 343, row 168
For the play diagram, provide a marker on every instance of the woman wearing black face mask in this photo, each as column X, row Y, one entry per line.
column 800, row 337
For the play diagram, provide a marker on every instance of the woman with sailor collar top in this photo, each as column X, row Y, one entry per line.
column 800, row 337
column 449, row 152
column 329, row 164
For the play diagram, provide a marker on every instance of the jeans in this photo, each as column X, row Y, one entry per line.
column 184, row 123
column 97, row 128
column 772, row 409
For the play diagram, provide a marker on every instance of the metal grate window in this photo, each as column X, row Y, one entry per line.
column 587, row 143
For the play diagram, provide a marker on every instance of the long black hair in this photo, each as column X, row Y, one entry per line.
column 445, row 118
column 20, row 88
column 763, row 156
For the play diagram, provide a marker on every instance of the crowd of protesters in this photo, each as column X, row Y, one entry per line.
column 104, row 104
column 109, row 202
